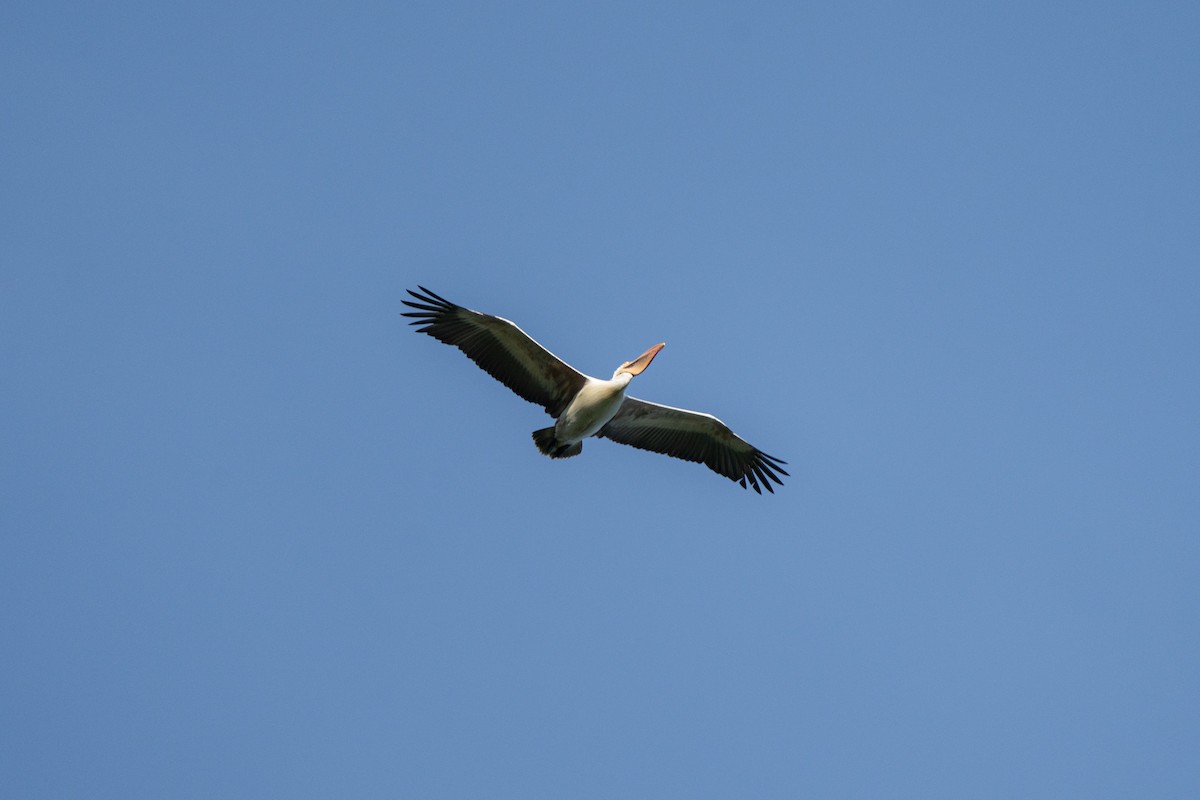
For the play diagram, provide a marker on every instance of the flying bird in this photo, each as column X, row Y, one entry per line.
column 584, row 406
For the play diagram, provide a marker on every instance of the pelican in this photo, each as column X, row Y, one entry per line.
column 584, row 406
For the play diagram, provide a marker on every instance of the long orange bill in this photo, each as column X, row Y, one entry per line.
column 641, row 362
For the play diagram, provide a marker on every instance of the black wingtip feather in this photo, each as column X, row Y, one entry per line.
column 434, row 295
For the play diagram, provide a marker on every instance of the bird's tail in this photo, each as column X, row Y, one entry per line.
column 548, row 444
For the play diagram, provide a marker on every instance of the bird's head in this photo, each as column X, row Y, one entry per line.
column 636, row 366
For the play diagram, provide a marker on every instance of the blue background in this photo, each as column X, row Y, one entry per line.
column 260, row 540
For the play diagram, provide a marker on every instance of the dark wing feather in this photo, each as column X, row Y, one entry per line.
column 693, row 436
column 500, row 348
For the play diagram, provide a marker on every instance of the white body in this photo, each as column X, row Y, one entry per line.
column 597, row 402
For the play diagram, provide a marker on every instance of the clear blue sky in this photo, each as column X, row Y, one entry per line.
column 261, row 540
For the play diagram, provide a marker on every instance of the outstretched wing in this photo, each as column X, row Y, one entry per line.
column 500, row 348
column 693, row 436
